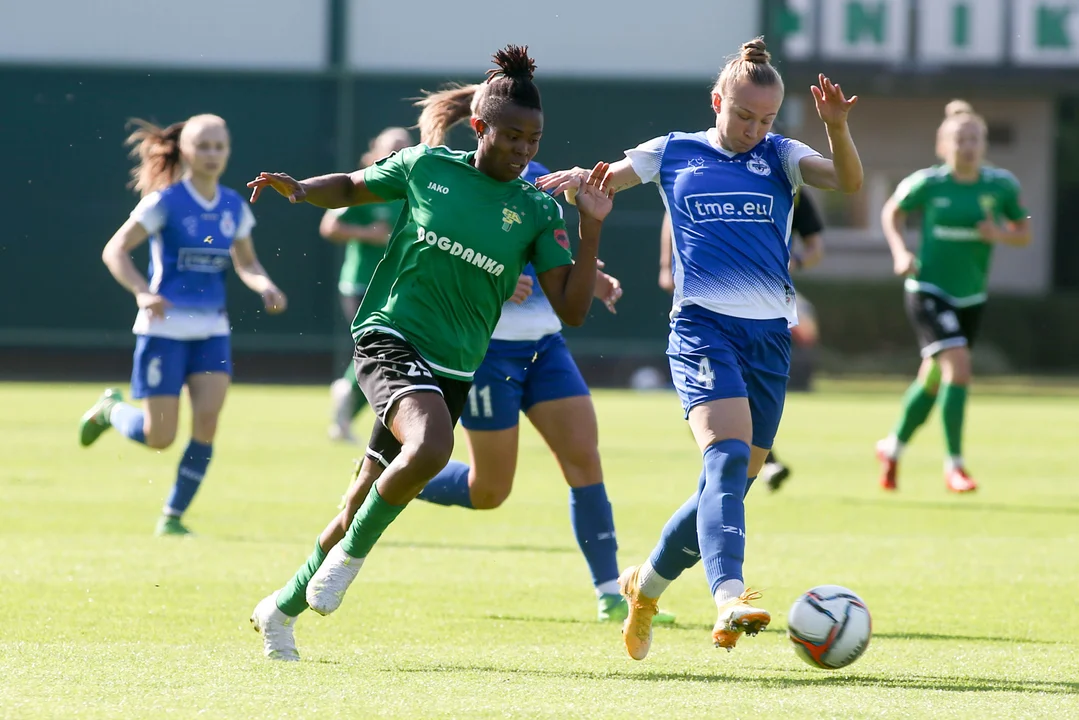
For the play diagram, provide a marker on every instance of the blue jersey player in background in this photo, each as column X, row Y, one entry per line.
column 730, row 193
column 529, row 369
column 196, row 229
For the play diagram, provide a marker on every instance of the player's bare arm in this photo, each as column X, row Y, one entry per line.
column 326, row 191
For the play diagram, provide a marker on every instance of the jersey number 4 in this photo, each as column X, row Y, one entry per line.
column 705, row 377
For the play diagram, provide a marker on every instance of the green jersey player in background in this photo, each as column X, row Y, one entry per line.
column 469, row 227
column 967, row 208
column 365, row 230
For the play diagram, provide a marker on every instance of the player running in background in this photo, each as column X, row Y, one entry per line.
column 365, row 230
column 529, row 369
column 806, row 221
column 195, row 228
column 471, row 226
column 730, row 193
column 967, row 208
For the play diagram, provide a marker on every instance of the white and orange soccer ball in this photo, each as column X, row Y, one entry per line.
column 829, row 626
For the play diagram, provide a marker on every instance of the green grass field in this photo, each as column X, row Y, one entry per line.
column 466, row 614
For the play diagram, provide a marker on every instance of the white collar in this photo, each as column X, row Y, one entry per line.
column 197, row 196
column 713, row 140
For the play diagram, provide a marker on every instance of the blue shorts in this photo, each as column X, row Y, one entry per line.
column 714, row 357
column 515, row 375
column 162, row 365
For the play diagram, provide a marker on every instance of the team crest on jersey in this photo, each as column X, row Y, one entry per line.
column 191, row 224
column 228, row 224
column 756, row 164
column 696, row 165
column 561, row 238
column 509, row 218
column 988, row 203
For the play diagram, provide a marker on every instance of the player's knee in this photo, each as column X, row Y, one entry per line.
column 428, row 457
column 487, row 496
column 159, row 438
column 955, row 366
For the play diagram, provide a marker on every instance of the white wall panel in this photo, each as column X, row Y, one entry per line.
column 246, row 34
column 585, row 38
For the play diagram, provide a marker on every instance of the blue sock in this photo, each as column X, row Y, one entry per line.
column 678, row 550
column 449, row 487
column 128, row 421
column 593, row 525
column 721, row 514
column 188, row 477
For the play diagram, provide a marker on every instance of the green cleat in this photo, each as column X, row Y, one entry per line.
column 170, row 525
column 614, row 608
column 96, row 420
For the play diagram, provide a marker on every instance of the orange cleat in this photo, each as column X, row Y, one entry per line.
column 889, row 469
column 637, row 629
column 737, row 617
column 958, row 481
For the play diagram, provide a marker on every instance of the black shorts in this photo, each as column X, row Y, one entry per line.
column 387, row 369
column 940, row 325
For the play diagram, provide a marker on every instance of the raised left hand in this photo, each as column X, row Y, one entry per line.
column 274, row 300
column 832, row 105
column 593, row 202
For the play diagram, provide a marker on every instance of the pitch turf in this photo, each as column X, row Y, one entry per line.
column 465, row 614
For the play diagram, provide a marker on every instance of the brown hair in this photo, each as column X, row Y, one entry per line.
column 157, row 150
column 509, row 82
column 376, row 148
column 956, row 113
column 752, row 63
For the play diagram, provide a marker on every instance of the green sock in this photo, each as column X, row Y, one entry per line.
column 292, row 600
column 953, row 400
column 917, row 404
column 372, row 519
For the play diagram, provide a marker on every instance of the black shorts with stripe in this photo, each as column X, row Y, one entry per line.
column 939, row 325
column 389, row 368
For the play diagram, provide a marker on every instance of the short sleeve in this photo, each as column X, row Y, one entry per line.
column 1011, row 206
column 388, row 178
column 150, row 213
column 791, row 153
column 647, row 158
column 551, row 248
column 912, row 192
column 247, row 222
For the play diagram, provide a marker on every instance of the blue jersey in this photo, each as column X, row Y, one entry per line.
column 534, row 318
column 731, row 218
column 190, row 239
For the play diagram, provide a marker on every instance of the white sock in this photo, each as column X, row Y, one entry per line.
column 955, row 462
column 729, row 590
column 652, row 583
column 891, row 447
column 608, row 588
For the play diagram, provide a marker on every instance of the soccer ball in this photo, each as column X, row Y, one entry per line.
column 829, row 626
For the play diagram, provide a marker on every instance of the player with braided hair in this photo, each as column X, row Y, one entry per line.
column 469, row 227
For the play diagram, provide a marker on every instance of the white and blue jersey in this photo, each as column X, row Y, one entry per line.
column 733, row 299
column 527, row 360
column 190, row 239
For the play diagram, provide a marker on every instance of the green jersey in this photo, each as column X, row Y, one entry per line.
column 361, row 257
column 455, row 254
column 953, row 258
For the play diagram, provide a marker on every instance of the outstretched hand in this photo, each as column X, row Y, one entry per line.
column 608, row 289
column 592, row 200
column 282, row 183
column 832, row 105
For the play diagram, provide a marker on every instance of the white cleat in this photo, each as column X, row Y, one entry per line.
column 276, row 629
column 330, row 583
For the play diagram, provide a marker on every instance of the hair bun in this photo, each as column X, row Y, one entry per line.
column 755, row 51
column 958, row 107
column 513, row 62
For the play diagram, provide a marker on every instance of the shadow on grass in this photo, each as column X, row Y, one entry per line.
column 701, row 628
column 476, row 548
column 963, row 506
column 795, row 679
